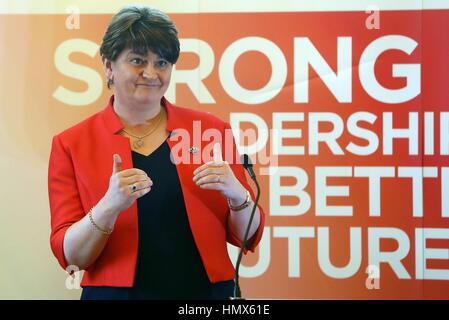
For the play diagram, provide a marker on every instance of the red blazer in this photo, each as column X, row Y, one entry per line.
column 78, row 177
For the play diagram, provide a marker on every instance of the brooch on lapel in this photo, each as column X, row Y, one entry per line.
column 194, row 150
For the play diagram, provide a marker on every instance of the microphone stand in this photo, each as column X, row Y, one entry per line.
column 237, row 292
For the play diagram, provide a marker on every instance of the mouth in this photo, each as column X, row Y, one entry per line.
column 148, row 85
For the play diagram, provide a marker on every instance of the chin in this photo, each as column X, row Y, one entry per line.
column 148, row 97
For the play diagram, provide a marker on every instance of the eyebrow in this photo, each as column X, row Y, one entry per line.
column 143, row 56
column 134, row 53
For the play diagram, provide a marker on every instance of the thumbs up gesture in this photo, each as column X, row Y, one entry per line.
column 125, row 186
column 218, row 175
column 117, row 164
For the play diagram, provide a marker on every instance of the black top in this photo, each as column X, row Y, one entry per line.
column 169, row 265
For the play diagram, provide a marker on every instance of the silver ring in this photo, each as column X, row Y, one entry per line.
column 134, row 188
column 219, row 178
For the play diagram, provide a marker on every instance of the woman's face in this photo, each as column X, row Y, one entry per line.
column 139, row 78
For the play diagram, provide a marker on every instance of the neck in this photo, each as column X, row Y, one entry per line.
column 136, row 115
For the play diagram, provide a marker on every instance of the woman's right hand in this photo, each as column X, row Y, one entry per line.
column 120, row 195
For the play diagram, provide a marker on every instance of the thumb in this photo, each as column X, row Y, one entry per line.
column 217, row 153
column 117, row 166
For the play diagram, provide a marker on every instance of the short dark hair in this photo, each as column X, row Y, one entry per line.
column 141, row 29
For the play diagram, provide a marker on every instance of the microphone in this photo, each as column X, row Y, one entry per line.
column 247, row 164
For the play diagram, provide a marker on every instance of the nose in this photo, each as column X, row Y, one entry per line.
column 149, row 72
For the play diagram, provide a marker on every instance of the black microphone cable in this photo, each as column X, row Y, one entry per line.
column 249, row 167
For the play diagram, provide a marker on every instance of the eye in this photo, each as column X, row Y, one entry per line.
column 162, row 64
column 137, row 61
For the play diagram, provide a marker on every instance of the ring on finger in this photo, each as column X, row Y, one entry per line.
column 134, row 188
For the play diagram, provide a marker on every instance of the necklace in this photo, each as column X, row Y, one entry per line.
column 139, row 143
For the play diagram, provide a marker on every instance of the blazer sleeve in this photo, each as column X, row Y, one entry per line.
column 65, row 203
column 239, row 172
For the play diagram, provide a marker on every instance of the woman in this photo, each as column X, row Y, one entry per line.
column 152, row 226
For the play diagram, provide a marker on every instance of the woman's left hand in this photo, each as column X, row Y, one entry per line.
column 218, row 175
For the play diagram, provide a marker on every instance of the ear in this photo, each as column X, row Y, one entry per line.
column 107, row 67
